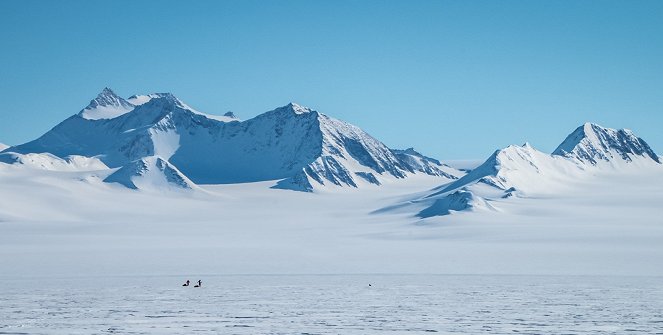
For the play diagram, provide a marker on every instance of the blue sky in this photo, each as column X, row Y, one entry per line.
column 454, row 79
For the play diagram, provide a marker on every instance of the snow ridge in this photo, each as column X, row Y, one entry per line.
column 46, row 161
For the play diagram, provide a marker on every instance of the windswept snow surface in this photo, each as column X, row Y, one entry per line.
column 72, row 223
column 3, row 146
column 336, row 304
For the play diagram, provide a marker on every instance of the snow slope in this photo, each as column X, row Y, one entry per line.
column 3, row 146
column 301, row 147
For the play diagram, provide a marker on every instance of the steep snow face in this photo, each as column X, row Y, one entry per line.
column 106, row 105
column 293, row 143
column 273, row 145
column 591, row 143
column 151, row 173
column 3, row 146
column 348, row 156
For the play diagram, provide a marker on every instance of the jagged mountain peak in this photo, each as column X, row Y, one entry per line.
column 297, row 109
column 592, row 143
column 106, row 105
column 107, row 98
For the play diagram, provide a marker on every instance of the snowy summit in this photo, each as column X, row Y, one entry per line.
column 592, row 143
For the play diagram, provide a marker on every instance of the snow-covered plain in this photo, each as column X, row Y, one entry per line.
column 72, row 223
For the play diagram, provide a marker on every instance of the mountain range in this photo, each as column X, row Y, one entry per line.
column 157, row 142
column 301, row 148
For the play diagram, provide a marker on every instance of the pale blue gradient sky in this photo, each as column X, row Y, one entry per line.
column 454, row 79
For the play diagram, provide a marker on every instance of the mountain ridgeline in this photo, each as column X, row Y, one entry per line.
column 156, row 141
column 300, row 148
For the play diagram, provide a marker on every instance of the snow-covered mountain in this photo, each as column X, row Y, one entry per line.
column 591, row 143
column 299, row 146
column 3, row 146
column 523, row 171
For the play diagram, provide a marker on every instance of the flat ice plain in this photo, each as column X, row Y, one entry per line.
column 334, row 304
column 79, row 256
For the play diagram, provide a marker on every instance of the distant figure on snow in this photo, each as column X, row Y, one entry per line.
column 186, row 284
column 200, row 283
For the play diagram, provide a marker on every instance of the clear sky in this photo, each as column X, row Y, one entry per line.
column 454, row 79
